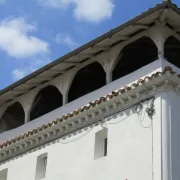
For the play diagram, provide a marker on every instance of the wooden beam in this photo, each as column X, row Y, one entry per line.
column 158, row 22
column 174, row 33
column 163, row 15
column 56, row 71
column 141, row 26
column 121, row 37
column 29, row 84
column 26, row 85
column 177, row 29
column 85, row 55
column 18, row 91
column 42, row 78
column 101, row 47
column 71, row 63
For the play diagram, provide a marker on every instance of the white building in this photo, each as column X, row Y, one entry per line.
column 107, row 111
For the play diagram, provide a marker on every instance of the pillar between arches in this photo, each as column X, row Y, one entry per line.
column 108, row 60
column 58, row 83
column 26, row 103
column 66, row 81
column 159, row 34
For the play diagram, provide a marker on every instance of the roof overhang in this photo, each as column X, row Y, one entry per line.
column 91, row 49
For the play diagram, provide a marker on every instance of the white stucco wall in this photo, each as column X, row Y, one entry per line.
column 138, row 148
column 130, row 153
column 134, row 152
column 172, row 134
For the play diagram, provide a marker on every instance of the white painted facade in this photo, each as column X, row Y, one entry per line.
column 129, row 155
column 138, row 147
column 136, row 150
column 108, row 61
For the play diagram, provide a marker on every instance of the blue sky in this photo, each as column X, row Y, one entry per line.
column 36, row 32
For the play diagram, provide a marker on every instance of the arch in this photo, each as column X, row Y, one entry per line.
column 134, row 56
column 86, row 80
column 12, row 118
column 172, row 50
column 47, row 99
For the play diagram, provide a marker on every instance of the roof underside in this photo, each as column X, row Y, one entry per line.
column 87, row 51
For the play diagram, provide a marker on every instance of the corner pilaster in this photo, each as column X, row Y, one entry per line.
column 166, row 137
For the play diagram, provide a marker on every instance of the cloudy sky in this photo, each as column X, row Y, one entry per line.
column 36, row 32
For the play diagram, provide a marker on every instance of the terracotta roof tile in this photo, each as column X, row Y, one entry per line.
column 87, row 107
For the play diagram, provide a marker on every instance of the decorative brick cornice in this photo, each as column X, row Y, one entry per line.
column 91, row 114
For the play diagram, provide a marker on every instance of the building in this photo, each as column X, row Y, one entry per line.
column 106, row 111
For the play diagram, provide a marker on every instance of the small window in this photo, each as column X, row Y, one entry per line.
column 101, row 142
column 3, row 174
column 105, row 146
column 41, row 167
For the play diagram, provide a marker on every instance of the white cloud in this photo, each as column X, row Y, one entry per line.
column 93, row 10
column 67, row 40
column 16, row 39
column 2, row 1
column 55, row 3
column 29, row 67
column 87, row 10
column 18, row 74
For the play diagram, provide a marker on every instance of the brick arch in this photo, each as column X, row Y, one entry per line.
column 86, row 80
column 134, row 56
column 47, row 99
column 13, row 117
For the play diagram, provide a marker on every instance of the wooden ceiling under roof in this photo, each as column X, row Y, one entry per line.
column 89, row 50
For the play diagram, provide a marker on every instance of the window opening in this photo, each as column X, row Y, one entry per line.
column 12, row 118
column 105, row 146
column 101, row 144
column 47, row 100
column 134, row 56
column 172, row 51
column 87, row 79
column 41, row 167
column 3, row 174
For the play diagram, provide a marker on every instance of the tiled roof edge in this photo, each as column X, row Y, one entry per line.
column 97, row 102
column 79, row 118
